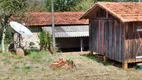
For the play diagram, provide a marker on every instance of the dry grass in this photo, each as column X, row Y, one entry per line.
column 36, row 67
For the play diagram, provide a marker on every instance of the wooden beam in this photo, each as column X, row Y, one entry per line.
column 91, row 52
column 126, row 47
column 125, row 65
column 81, row 44
column 19, row 36
column 98, row 18
column 105, row 59
column 115, row 25
column 103, row 38
column 99, row 37
column 139, row 64
column 107, row 14
column 90, row 35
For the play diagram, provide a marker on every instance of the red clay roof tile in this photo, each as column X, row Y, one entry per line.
column 61, row 18
column 125, row 11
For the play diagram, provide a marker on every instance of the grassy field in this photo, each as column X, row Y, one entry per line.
column 35, row 66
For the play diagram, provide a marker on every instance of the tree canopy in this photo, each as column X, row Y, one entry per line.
column 76, row 5
column 62, row 5
column 70, row 5
column 8, row 8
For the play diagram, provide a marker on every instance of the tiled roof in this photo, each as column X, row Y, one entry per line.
column 125, row 11
column 61, row 18
column 69, row 31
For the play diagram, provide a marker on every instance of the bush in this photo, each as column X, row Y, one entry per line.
column 45, row 40
column 29, row 51
column 31, row 44
column 9, row 34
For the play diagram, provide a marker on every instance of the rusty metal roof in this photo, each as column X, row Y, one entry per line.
column 125, row 11
column 69, row 31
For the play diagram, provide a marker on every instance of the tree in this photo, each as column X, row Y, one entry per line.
column 37, row 6
column 8, row 8
column 62, row 5
column 84, row 5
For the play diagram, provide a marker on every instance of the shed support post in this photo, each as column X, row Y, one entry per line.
column 125, row 65
column 91, row 52
column 81, row 44
column 105, row 59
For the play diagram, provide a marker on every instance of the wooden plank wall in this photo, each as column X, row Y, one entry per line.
column 93, row 41
column 90, row 34
column 107, row 39
column 115, row 41
column 132, row 42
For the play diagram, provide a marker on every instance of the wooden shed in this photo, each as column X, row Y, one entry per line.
column 116, row 30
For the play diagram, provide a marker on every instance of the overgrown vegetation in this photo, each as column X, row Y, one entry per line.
column 7, row 9
column 9, row 34
column 37, row 56
column 45, row 40
column 76, row 5
column 35, row 66
column 65, row 5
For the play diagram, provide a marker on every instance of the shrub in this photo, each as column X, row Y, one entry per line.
column 45, row 40
column 9, row 34
column 31, row 44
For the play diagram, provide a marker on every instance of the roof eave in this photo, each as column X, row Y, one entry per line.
column 88, row 11
column 98, row 4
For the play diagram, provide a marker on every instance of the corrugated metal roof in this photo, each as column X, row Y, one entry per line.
column 69, row 31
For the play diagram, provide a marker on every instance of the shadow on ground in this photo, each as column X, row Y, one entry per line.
column 99, row 59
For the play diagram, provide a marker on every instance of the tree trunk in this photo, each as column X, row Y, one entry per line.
column 3, row 37
column 3, row 24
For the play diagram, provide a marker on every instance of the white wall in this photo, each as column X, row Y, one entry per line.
column 26, row 40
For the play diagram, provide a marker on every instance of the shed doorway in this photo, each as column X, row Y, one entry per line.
column 99, row 40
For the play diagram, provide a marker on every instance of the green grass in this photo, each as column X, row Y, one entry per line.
column 5, row 46
column 35, row 66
